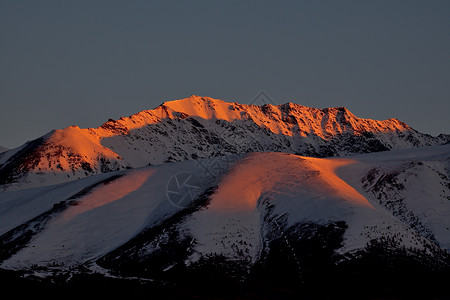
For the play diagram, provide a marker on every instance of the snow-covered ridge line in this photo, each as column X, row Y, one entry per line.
column 130, row 217
column 322, row 122
column 201, row 127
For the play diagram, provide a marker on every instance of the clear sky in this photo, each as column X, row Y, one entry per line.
column 82, row 62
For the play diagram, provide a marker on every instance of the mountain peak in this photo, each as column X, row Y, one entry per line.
column 191, row 100
column 204, row 127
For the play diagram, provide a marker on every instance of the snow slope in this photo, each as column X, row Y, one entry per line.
column 200, row 127
column 3, row 149
column 230, row 206
column 414, row 185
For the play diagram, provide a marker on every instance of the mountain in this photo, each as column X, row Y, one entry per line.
column 200, row 127
column 263, row 224
column 3, row 149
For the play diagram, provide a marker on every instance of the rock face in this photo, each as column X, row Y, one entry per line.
column 201, row 127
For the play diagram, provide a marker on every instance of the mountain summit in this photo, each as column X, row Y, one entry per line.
column 201, row 127
column 200, row 195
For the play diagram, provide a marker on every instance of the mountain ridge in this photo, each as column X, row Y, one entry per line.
column 201, row 192
column 200, row 127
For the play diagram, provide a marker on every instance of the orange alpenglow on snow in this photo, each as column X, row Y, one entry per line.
column 241, row 189
column 328, row 168
column 108, row 193
column 203, row 127
column 312, row 120
column 321, row 122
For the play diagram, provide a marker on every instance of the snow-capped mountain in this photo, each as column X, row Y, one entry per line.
column 200, row 127
column 263, row 218
column 3, row 149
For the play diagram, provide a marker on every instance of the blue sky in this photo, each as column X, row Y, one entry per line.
column 82, row 62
